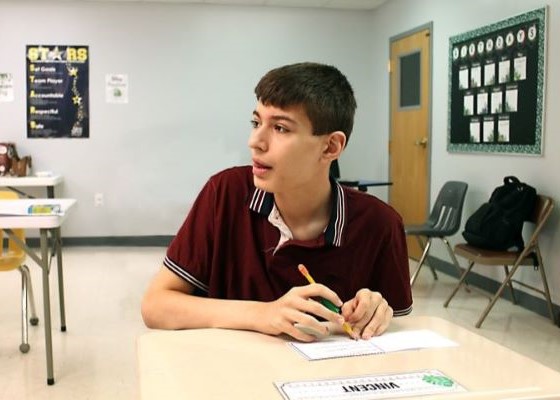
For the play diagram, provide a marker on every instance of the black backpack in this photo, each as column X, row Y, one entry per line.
column 498, row 224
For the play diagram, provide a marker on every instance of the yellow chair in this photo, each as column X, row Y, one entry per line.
column 13, row 257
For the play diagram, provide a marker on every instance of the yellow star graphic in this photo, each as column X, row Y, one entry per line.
column 56, row 54
column 77, row 100
column 73, row 71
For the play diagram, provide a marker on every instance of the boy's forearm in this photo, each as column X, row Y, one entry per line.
column 170, row 309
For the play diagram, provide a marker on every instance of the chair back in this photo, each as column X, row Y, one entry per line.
column 446, row 214
column 13, row 255
column 543, row 209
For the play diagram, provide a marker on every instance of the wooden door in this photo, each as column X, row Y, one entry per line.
column 410, row 117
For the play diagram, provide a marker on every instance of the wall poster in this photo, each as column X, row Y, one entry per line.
column 496, row 86
column 57, row 91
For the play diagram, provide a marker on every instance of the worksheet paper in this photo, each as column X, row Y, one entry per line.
column 417, row 383
column 343, row 346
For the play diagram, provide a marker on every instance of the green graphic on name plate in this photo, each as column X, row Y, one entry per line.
column 438, row 380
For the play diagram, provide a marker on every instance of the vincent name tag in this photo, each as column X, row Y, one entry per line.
column 417, row 383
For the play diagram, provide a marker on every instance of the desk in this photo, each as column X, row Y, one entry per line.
column 13, row 183
column 362, row 184
column 229, row 364
column 46, row 224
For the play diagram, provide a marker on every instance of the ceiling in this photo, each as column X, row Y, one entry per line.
column 336, row 4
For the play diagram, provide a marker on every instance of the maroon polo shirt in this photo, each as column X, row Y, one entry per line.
column 226, row 246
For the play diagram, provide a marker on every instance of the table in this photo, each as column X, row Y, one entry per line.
column 13, row 183
column 362, row 184
column 230, row 364
column 46, row 224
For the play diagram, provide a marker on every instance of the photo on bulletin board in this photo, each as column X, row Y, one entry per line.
column 496, row 86
column 57, row 91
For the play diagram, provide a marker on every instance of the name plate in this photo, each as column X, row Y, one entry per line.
column 418, row 383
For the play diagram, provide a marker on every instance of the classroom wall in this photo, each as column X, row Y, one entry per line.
column 483, row 172
column 192, row 70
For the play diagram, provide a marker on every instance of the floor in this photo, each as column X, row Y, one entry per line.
column 96, row 357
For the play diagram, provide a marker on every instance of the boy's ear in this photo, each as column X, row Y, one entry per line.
column 334, row 144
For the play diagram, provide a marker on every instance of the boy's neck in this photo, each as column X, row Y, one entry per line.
column 306, row 212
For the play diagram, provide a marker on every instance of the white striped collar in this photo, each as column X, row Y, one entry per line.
column 262, row 202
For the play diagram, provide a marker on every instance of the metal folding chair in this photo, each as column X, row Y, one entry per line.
column 529, row 256
column 444, row 220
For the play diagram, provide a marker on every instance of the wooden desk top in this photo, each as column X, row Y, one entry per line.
column 228, row 364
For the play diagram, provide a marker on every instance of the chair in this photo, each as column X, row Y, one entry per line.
column 529, row 256
column 13, row 257
column 444, row 220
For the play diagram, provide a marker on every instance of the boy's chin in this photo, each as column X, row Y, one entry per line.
column 265, row 185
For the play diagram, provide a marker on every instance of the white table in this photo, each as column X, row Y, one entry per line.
column 46, row 224
column 229, row 364
column 49, row 182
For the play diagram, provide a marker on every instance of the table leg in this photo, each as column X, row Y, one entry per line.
column 47, row 305
column 50, row 192
column 58, row 241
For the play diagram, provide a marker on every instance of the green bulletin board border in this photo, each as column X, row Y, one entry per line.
column 540, row 15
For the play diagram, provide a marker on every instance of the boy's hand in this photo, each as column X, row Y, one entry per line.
column 368, row 313
column 297, row 306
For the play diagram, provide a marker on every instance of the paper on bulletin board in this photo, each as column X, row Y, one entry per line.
column 116, row 88
column 6, row 87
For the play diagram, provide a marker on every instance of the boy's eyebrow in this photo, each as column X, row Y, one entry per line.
column 277, row 118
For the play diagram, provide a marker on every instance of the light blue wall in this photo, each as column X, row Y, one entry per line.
column 483, row 172
column 192, row 70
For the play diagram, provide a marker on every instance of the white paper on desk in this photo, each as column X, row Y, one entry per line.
column 341, row 346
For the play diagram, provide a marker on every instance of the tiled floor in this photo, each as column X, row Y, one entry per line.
column 96, row 358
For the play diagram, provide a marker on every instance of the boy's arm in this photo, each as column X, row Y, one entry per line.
column 170, row 304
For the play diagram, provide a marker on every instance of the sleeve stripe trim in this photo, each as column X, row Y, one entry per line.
column 184, row 274
column 400, row 313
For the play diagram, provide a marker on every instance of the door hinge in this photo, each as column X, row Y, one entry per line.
column 389, row 66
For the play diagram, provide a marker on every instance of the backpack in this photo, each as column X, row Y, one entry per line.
column 498, row 224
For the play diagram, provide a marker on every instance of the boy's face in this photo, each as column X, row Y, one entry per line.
column 287, row 157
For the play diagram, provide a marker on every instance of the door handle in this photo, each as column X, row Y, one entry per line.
column 421, row 142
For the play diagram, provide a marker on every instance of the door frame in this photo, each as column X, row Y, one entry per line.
column 429, row 26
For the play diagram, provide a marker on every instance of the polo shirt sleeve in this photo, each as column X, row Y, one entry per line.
column 190, row 253
column 395, row 284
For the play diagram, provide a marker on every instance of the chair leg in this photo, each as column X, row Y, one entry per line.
column 461, row 281
column 497, row 295
column 34, row 320
column 24, row 346
column 510, row 285
column 545, row 285
column 421, row 262
column 455, row 262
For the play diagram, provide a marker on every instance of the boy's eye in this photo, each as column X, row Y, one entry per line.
column 254, row 123
column 280, row 129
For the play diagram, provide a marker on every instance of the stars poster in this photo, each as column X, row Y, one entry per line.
column 57, row 91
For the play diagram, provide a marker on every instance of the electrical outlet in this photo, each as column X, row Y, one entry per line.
column 98, row 200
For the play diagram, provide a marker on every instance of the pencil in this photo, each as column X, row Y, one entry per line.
column 346, row 326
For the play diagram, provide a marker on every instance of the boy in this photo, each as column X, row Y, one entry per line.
column 251, row 227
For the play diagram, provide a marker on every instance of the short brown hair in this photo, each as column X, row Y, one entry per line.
column 323, row 91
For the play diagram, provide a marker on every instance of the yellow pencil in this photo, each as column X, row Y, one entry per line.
column 346, row 326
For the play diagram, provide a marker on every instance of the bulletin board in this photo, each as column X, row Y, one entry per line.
column 496, row 86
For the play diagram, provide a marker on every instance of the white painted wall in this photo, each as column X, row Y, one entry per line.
column 483, row 172
column 192, row 70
